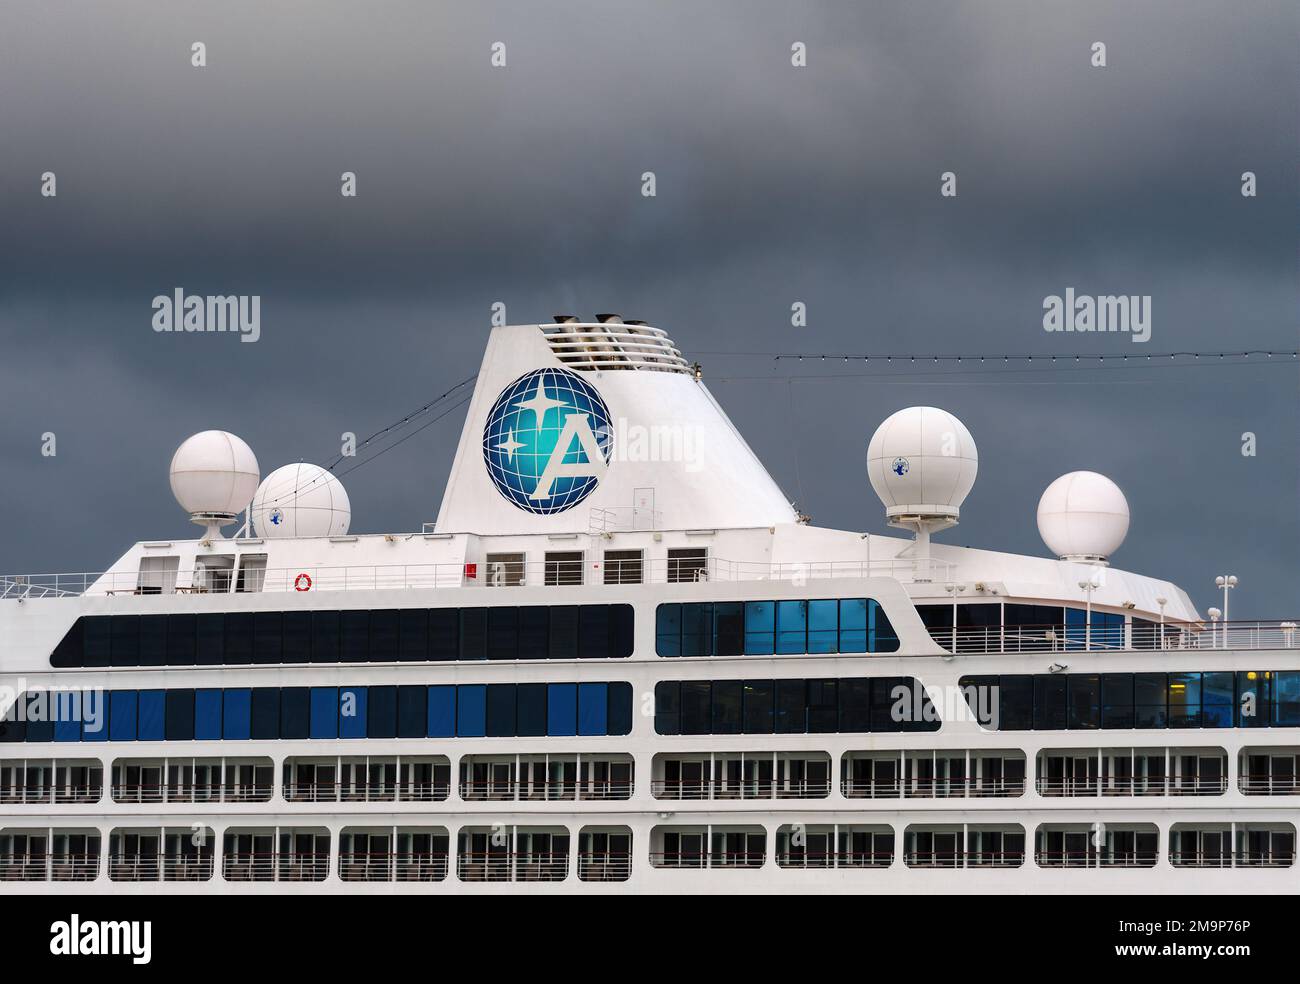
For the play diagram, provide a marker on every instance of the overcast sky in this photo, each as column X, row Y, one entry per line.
column 775, row 184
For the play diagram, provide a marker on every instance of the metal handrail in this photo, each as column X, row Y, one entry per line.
column 938, row 788
column 1269, row 785
column 1093, row 859
column 834, row 859
column 962, row 859
column 388, row 866
column 707, row 859
column 160, row 867
column 1168, row 786
column 1061, row 638
column 512, row 866
column 292, row 866
column 725, row 789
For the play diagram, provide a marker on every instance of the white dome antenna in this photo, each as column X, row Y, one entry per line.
column 922, row 462
column 301, row 500
column 213, row 476
column 1083, row 516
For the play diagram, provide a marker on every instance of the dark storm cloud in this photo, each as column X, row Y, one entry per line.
column 774, row 184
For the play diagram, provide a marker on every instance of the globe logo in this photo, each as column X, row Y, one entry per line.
column 900, row 467
column 548, row 441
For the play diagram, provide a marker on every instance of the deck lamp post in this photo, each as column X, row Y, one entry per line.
column 1227, row 582
column 1088, row 587
column 1162, row 602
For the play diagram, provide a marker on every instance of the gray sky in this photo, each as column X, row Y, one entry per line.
column 775, row 184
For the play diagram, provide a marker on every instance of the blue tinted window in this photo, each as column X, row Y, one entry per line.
column 792, row 626
column 668, row 630
column 471, row 710
column 823, row 626
column 295, row 712
column 152, row 715
column 620, row 709
column 853, row 625
column 236, row 713
column 67, row 723
column 381, row 712
column 94, row 715
column 881, row 637
column 697, row 629
column 760, row 627
column 593, row 708
column 412, row 712
column 180, row 715
column 442, row 712
column 122, row 715
column 500, row 717
column 324, row 712
column 207, row 715
column 264, row 714
column 39, row 725
column 562, row 709
column 531, row 709
column 352, row 712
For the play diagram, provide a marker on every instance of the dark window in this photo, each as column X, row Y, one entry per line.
column 534, row 632
column 697, row 629
column 325, row 637
column 381, row 713
column 1085, row 700
column 413, row 635
column 412, row 711
column 295, row 712
column 728, row 628
column 503, row 633
column 501, row 710
column 473, row 633
column 760, row 697
column 180, row 715
column 668, row 630
column 564, row 632
column 239, row 637
column 791, row 707
column 267, row 637
column 444, row 634
column 126, row 640
column 97, row 639
column 71, row 650
column 855, row 705
column 354, row 636
column 823, row 706
column 1149, row 700
column 181, row 635
column 297, row 637
column 1050, row 706
column 1117, row 700
column 383, row 636
column 619, row 720
column 593, row 632
column 668, row 708
column 727, row 701
column 530, row 709
column 264, row 719
column 697, row 707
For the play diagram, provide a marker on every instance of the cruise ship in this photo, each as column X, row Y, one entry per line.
column 620, row 660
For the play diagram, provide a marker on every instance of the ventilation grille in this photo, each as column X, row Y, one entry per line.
column 614, row 345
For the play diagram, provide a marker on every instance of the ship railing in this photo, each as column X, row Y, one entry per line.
column 176, row 793
column 554, row 573
column 1269, row 785
column 1061, row 638
column 48, row 794
column 383, row 866
column 1230, row 859
column 725, row 789
column 709, row 859
column 294, row 866
column 1170, row 786
column 329, row 792
column 932, row 788
column 605, row 867
column 504, row 866
column 160, row 867
column 1093, row 859
column 964, row 859
column 841, row 859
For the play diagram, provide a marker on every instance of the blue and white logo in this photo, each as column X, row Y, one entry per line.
column 548, row 441
column 277, row 517
column 900, row 467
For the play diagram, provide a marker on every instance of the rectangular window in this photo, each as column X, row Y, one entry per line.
column 505, row 570
column 619, row 720
column 563, row 568
column 295, row 712
column 126, row 640
column 153, row 640
column 697, row 707
column 593, row 632
column 444, row 635
column 823, row 626
column 1085, row 701
column 296, row 628
column 759, row 701
column 534, row 632
column 728, row 628
column 267, row 639
column 562, row 709
column 264, row 714
column 502, row 633
column 383, row 636
column 688, row 564
column 760, row 628
column 97, row 640
column 564, row 632
column 791, row 706
column 353, row 704
column 623, row 566
column 413, row 635
column 326, row 637
column 412, row 712
column 1217, row 700
column 791, row 627
column 471, row 710
column 593, row 708
column 728, row 703
column 1254, row 698
column 823, row 706
column 1149, row 701
column 668, row 708
column 354, row 636
column 235, row 712
column 180, row 715
column 152, row 715
column 1184, row 700
column 473, row 633
column 853, row 625
column 668, row 630
column 181, row 634
column 501, row 710
column 531, row 710
column 1050, row 702
column 855, row 705
column 1117, row 700
column 381, row 712
column 121, row 715
column 697, row 629
column 208, row 715
column 239, row 638
column 324, row 712
column 1286, row 699
column 442, row 712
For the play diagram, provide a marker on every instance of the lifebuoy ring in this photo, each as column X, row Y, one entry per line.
column 302, row 582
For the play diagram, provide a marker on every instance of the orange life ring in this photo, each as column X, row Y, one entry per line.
column 302, row 582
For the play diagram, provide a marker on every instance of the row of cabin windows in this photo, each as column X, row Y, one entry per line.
column 1086, row 701
column 764, row 707
column 765, row 628
column 352, row 636
column 496, row 710
column 1104, row 630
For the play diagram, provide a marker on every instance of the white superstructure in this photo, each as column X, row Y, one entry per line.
column 619, row 661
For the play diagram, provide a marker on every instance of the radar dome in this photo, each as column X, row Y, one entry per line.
column 1083, row 516
column 301, row 500
column 213, row 476
column 922, row 463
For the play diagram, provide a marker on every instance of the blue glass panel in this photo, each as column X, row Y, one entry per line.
column 122, row 715
column 823, row 626
column 668, row 630
column 853, row 625
column 1075, row 632
column 352, row 712
column 207, row 715
column 620, row 709
column 471, row 710
column 153, row 714
column 760, row 627
column 67, row 723
column 94, row 715
column 442, row 712
column 324, row 712
column 792, row 626
column 593, row 708
column 562, row 709
column 236, row 714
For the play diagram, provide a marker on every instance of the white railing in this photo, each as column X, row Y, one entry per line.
column 1191, row 636
column 591, row 571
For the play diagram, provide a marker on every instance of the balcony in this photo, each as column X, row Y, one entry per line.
column 275, row 867
column 382, row 867
column 162, row 867
column 506, row 866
